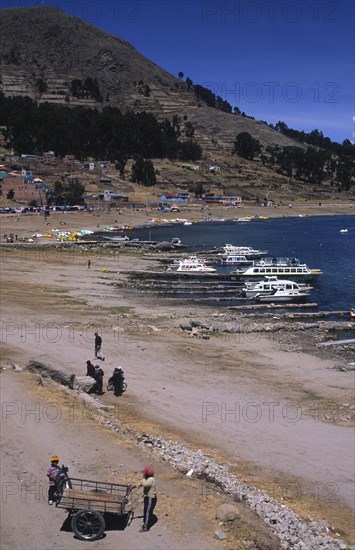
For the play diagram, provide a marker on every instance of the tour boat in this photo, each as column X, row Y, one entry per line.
column 269, row 284
column 247, row 251
column 234, row 260
column 290, row 268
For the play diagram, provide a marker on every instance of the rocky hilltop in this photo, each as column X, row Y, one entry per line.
column 49, row 56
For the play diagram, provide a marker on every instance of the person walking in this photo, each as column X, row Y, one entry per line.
column 89, row 264
column 52, row 474
column 149, row 485
column 98, row 344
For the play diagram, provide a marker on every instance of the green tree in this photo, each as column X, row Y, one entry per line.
column 75, row 192
column 246, row 146
column 120, row 164
column 344, row 174
column 143, row 171
column 10, row 194
column 180, row 75
column 189, row 83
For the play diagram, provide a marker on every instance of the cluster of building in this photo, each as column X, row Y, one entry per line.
column 23, row 187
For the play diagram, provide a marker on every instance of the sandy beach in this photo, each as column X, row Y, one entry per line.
column 242, row 398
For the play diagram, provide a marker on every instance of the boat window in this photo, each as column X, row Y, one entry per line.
column 274, row 270
column 299, row 270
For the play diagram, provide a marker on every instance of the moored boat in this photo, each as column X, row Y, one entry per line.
column 194, row 267
column 247, row 251
column 269, row 284
column 234, row 260
column 279, row 268
column 291, row 293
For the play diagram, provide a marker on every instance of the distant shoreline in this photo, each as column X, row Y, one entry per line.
column 25, row 225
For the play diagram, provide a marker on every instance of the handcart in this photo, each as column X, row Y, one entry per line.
column 89, row 503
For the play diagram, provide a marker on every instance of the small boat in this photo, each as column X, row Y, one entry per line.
column 247, row 251
column 117, row 238
column 176, row 241
column 291, row 293
column 269, row 284
column 243, row 220
column 193, row 265
column 344, row 230
column 352, row 314
column 234, row 260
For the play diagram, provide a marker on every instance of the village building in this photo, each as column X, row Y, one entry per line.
column 25, row 188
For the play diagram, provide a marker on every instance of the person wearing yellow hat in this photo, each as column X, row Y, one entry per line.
column 52, row 474
column 149, row 485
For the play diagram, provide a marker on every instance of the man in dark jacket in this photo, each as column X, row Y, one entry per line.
column 90, row 369
column 98, row 344
column 117, row 380
column 97, row 387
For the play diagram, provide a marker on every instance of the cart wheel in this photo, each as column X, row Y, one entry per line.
column 88, row 525
column 109, row 387
column 124, row 386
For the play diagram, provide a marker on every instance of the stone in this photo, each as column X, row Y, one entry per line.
column 220, row 535
column 227, row 512
column 50, row 367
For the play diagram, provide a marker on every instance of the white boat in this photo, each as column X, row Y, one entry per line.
column 344, row 230
column 291, row 293
column 117, row 238
column 269, row 284
column 247, row 251
column 190, row 260
column 243, row 220
column 234, row 260
column 186, row 266
column 290, row 269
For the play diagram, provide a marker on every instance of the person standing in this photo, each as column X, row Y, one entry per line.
column 90, row 369
column 89, row 264
column 98, row 385
column 99, row 377
column 98, row 344
column 117, row 381
column 150, row 497
column 52, row 474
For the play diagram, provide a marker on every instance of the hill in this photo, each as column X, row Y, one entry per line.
column 46, row 54
column 53, row 57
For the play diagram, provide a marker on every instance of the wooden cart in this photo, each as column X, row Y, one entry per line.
column 89, row 502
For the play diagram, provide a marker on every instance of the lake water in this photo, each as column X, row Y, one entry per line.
column 317, row 241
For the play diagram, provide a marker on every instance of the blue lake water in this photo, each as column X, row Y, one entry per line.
column 317, row 241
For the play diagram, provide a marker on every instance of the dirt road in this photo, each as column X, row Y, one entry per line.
column 37, row 423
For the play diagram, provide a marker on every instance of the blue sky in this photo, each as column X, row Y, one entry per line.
column 289, row 60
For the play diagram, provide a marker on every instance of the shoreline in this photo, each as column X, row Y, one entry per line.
column 25, row 225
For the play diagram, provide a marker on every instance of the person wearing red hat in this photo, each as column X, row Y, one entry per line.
column 149, row 485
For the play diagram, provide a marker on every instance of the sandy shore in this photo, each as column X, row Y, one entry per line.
column 25, row 225
column 238, row 397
